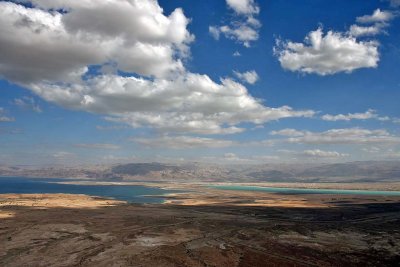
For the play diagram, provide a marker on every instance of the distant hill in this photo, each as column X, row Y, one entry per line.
column 272, row 176
column 366, row 169
column 363, row 171
column 141, row 168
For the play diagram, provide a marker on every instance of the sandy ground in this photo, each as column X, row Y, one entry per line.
column 200, row 195
column 55, row 201
column 240, row 198
column 44, row 201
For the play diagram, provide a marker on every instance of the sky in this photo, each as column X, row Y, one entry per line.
column 217, row 81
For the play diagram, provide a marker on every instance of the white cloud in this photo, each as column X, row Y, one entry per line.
column 379, row 20
column 327, row 54
column 242, row 33
column 97, row 146
column 372, row 149
column 250, row 77
column 288, row 132
column 28, row 103
column 358, row 31
column 3, row 117
column 369, row 114
column 244, row 28
column 317, row 153
column 6, row 119
column 182, row 142
column 341, row 136
column 135, row 35
column 214, row 31
column 232, row 158
column 243, row 7
column 230, row 155
column 190, row 103
column 377, row 16
column 236, row 54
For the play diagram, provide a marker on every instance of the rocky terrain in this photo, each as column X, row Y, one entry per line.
column 39, row 230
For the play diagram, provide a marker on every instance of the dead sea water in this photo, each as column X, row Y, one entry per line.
column 130, row 193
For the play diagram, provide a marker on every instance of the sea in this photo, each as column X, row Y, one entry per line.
column 130, row 193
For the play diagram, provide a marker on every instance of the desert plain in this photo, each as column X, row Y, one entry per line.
column 203, row 227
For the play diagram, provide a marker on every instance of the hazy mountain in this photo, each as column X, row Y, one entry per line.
column 368, row 171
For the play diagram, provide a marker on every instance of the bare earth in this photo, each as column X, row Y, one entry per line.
column 203, row 228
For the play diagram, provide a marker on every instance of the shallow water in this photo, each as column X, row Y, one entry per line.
column 296, row 191
column 130, row 193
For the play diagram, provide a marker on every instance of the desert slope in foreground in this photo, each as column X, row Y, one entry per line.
column 77, row 230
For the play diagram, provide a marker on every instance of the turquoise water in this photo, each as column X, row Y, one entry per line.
column 130, row 193
column 295, row 191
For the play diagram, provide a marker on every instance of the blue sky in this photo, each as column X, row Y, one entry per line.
column 233, row 81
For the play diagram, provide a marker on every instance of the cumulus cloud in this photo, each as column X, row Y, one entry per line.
column 317, row 153
column 182, row 142
column 369, row 114
column 3, row 117
column 328, row 53
column 243, row 7
column 27, row 103
column 49, row 48
column 377, row 16
column 341, row 136
column 97, row 146
column 244, row 28
column 250, row 77
column 40, row 43
column 190, row 103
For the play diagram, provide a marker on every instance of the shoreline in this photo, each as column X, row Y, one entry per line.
column 393, row 186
